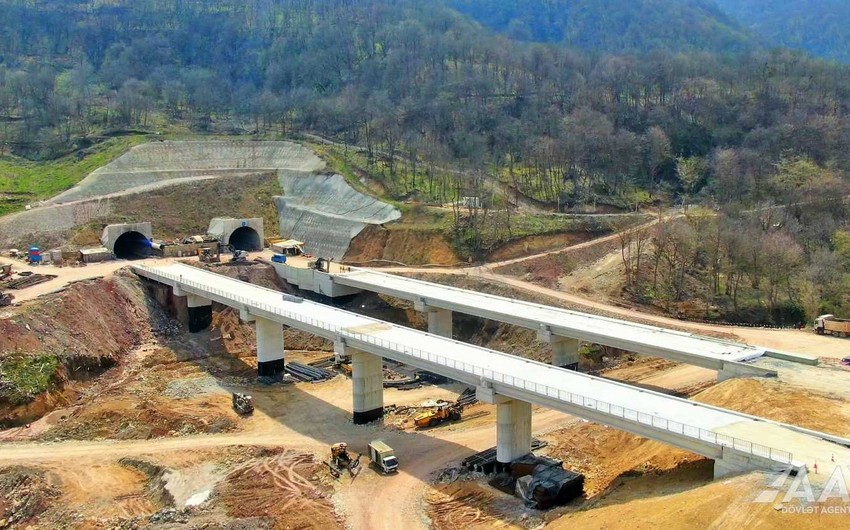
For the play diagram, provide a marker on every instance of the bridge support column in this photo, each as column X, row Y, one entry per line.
column 440, row 322
column 367, row 378
column 564, row 349
column 513, row 431
column 270, row 361
column 200, row 313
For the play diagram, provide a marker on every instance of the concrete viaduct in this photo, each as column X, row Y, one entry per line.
column 735, row 441
column 562, row 329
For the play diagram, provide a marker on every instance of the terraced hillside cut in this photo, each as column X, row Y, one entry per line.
column 322, row 210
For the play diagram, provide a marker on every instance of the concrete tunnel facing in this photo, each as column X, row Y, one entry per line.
column 246, row 238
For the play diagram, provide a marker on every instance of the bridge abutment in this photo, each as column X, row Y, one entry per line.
column 367, row 378
column 200, row 313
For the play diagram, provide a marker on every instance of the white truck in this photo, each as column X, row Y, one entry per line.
column 834, row 326
column 382, row 456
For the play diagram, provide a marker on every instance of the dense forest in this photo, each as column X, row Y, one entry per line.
column 422, row 82
column 820, row 27
column 613, row 25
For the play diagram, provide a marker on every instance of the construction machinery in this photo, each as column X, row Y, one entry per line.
column 828, row 324
column 6, row 299
column 321, row 264
column 439, row 414
column 243, row 404
column 341, row 459
column 382, row 456
column 208, row 255
column 239, row 256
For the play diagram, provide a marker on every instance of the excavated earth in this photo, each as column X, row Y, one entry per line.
column 140, row 432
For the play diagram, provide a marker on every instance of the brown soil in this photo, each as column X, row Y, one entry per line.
column 25, row 494
column 603, row 454
column 469, row 505
column 89, row 328
column 778, row 402
column 536, row 244
column 97, row 319
column 546, row 270
column 672, row 501
column 290, row 487
column 400, row 245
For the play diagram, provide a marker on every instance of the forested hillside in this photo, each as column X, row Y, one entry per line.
column 414, row 81
column 820, row 27
column 613, row 25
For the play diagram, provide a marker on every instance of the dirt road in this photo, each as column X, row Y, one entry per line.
column 309, row 418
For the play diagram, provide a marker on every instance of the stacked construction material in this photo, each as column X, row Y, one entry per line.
column 307, row 373
column 29, row 281
column 467, row 398
column 485, row 461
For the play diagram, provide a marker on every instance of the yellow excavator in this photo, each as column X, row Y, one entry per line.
column 445, row 412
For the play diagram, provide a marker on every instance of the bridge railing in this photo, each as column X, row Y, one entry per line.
column 533, row 387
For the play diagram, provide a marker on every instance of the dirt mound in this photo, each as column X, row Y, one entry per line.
column 603, row 454
column 776, row 401
column 470, row 506
column 25, row 494
column 129, row 420
column 646, row 502
column 74, row 336
column 289, row 487
column 400, row 245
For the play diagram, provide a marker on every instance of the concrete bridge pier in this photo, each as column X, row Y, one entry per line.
column 270, row 349
column 439, row 320
column 513, row 426
column 367, row 378
column 564, row 349
column 513, row 431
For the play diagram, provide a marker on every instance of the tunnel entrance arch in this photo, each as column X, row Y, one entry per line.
column 245, row 238
column 132, row 245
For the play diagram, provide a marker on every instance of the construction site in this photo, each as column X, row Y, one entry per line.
column 227, row 334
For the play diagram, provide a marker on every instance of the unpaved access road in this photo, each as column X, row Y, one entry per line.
column 310, row 418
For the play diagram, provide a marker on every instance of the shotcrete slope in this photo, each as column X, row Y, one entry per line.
column 327, row 213
column 163, row 161
column 322, row 210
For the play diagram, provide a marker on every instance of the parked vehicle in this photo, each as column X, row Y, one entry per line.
column 382, row 456
column 828, row 324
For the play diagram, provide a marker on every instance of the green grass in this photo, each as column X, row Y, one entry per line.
column 23, row 182
column 401, row 186
column 22, row 378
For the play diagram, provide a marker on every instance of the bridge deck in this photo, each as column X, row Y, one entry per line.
column 693, row 426
column 649, row 340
